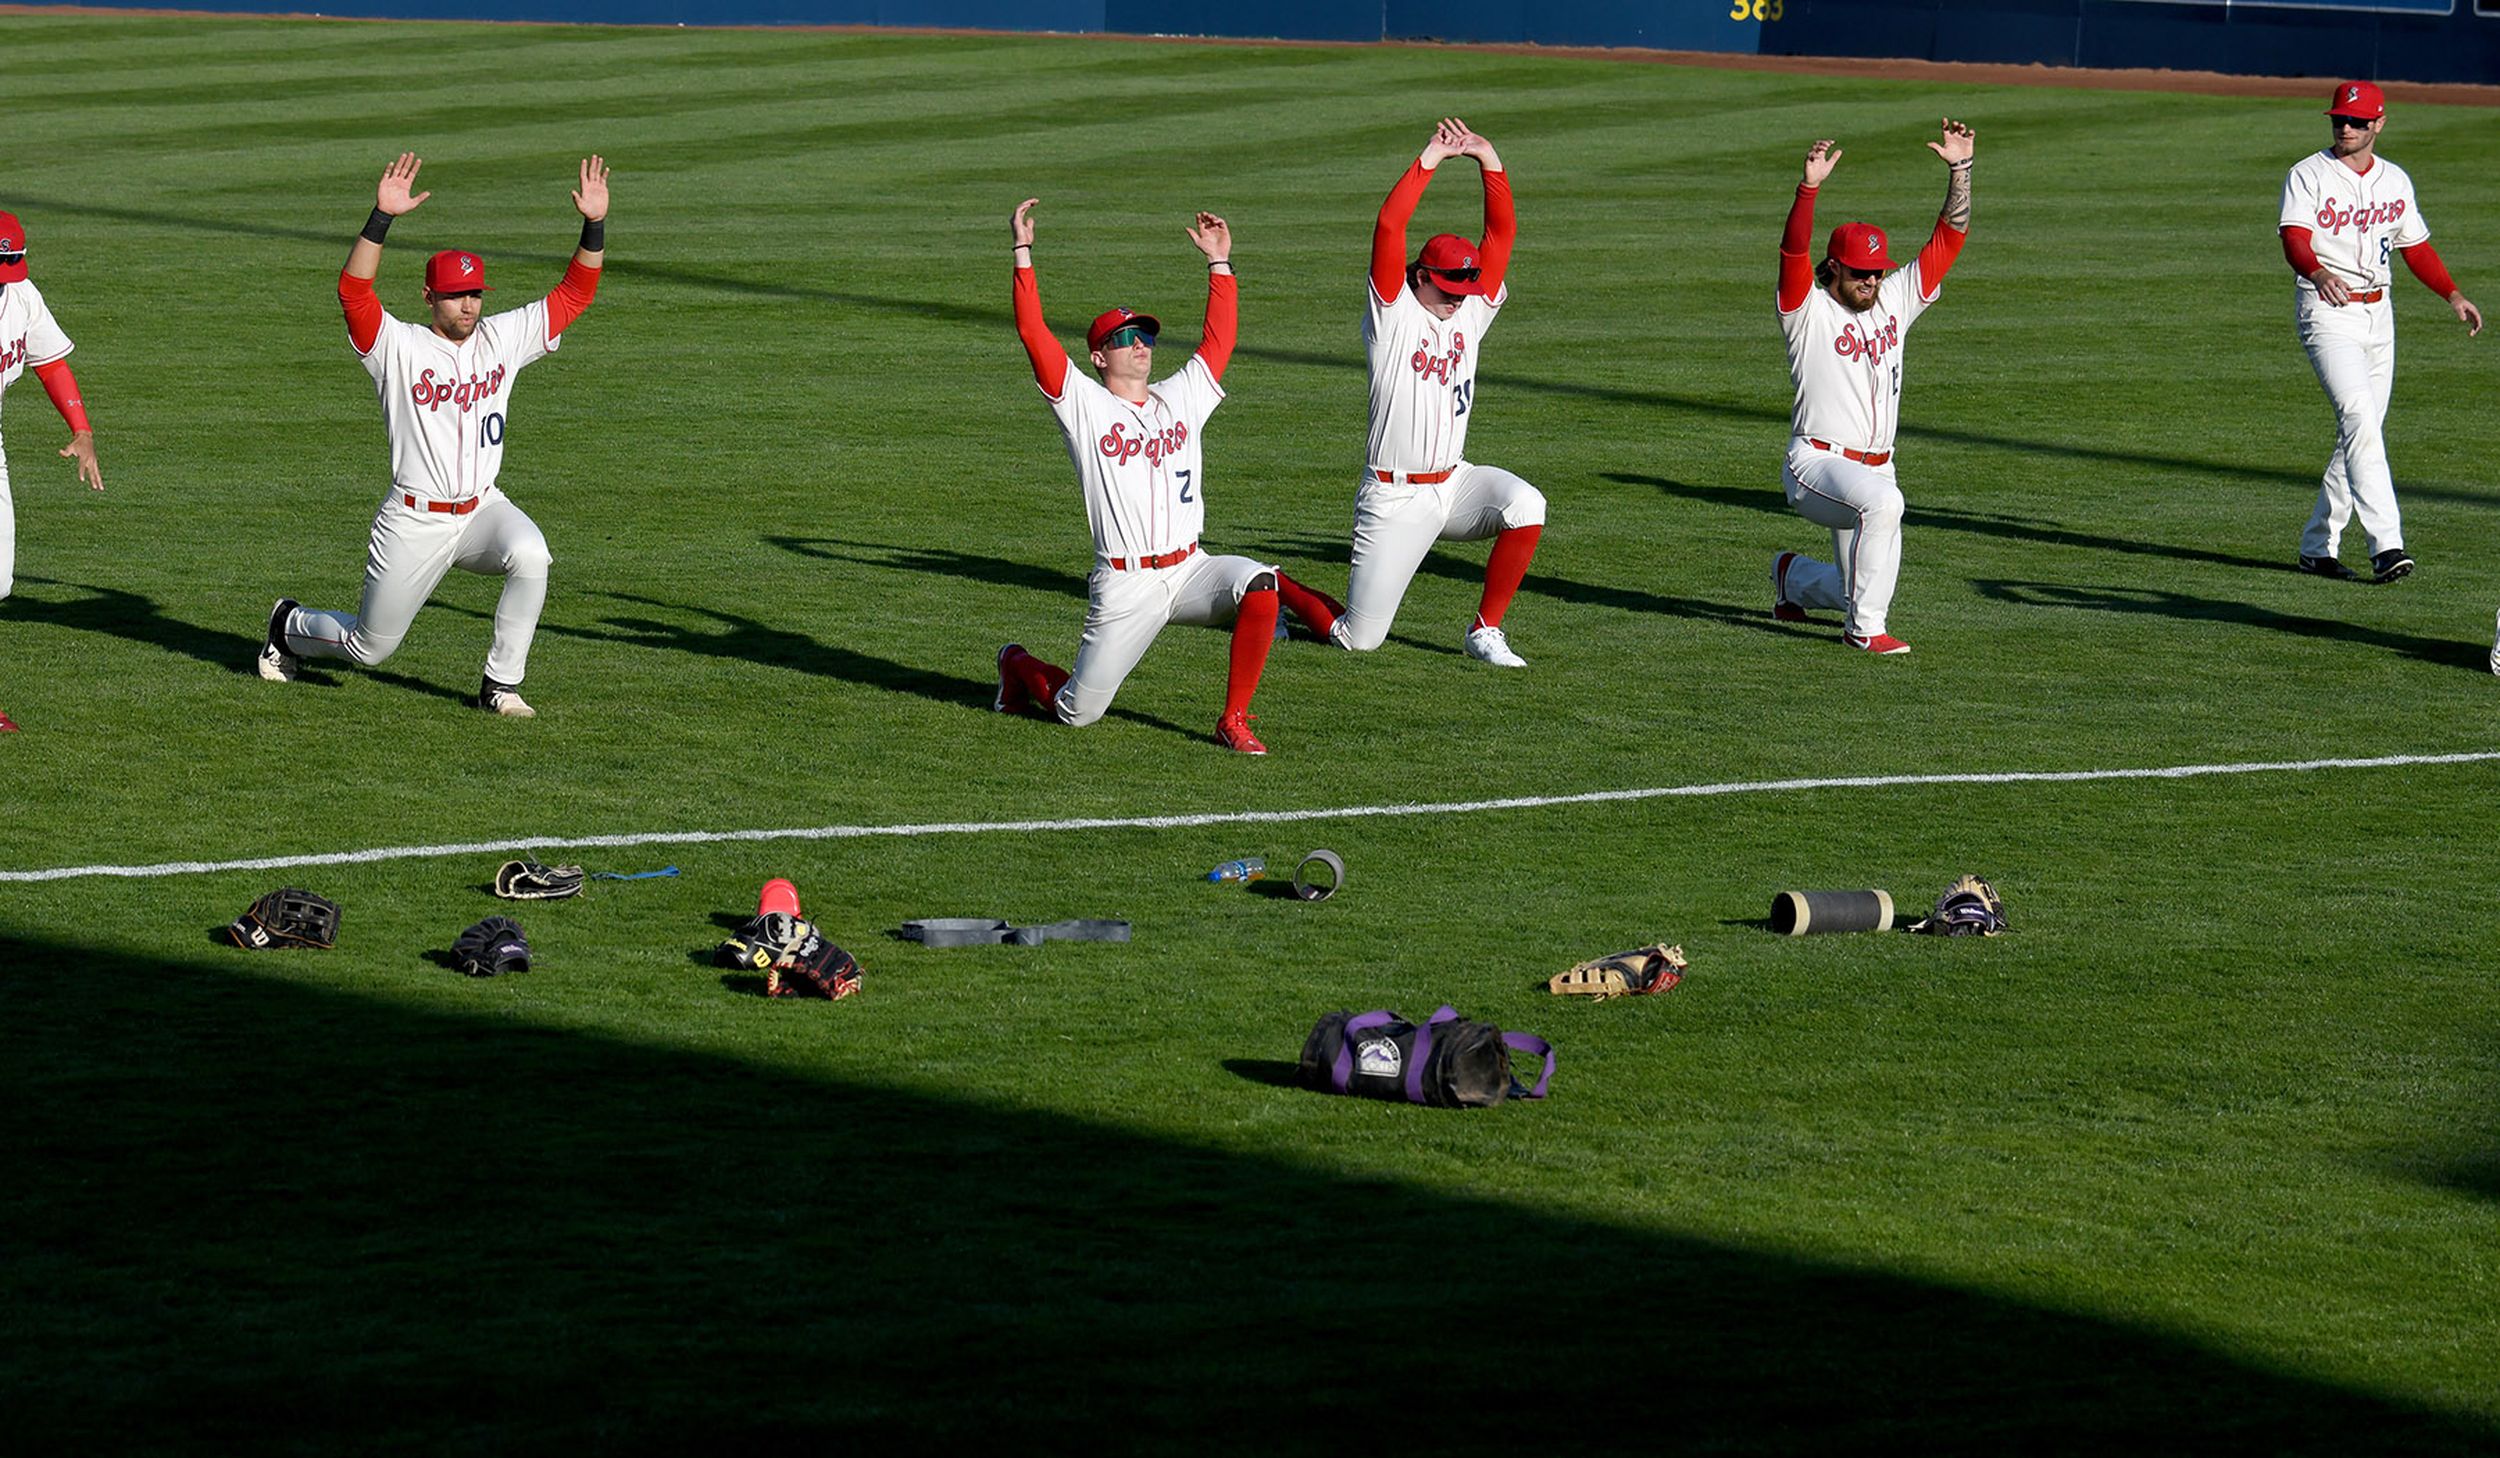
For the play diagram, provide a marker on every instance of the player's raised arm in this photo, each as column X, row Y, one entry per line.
column 1214, row 238
column 391, row 197
column 1389, row 230
column 1797, row 235
column 581, row 275
column 1048, row 355
column 1957, row 146
column 1501, row 219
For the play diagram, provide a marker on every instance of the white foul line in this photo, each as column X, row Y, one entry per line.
column 1231, row 817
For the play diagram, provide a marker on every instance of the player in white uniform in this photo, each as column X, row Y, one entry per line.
column 445, row 387
column 31, row 339
column 1422, row 325
column 2346, row 211
column 1847, row 321
column 1136, row 449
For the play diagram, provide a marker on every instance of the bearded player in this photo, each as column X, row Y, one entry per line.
column 1136, row 450
column 30, row 338
column 1847, row 320
column 1422, row 324
column 445, row 386
column 2345, row 211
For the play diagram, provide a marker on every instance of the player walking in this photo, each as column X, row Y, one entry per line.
column 30, row 338
column 1422, row 323
column 1847, row 320
column 444, row 386
column 2345, row 210
column 1136, row 451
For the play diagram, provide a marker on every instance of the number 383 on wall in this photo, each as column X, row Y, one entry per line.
column 1757, row 9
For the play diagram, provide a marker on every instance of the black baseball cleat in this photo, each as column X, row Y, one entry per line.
column 275, row 663
column 2327, row 567
column 504, row 699
column 2389, row 565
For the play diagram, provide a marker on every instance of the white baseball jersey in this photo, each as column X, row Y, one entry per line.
column 1139, row 465
column 2356, row 221
column 1847, row 365
column 1423, row 377
column 443, row 404
column 29, row 335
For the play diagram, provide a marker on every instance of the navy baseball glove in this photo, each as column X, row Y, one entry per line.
column 491, row 948
column 1969, row 907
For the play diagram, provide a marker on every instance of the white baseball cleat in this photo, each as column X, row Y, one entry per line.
column 1488, row 645
column 504, row 699
column 275, row 663
column 2495, row 650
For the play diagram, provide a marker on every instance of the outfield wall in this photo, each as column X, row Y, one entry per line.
column 2405, row 40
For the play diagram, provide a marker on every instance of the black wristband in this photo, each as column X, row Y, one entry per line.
column 376, row 226
column 594, row 235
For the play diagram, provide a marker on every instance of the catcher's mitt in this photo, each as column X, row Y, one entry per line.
column 762, row 941
column 1968, row 907
column 286, row 917
column 1625, row 974
column 813, row 967
column 491, row 948
column 530, row 881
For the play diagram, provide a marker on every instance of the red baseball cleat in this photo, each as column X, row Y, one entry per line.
column 1880, row 643
column 9, row 725
column 1233, row 732
column 1012, row 699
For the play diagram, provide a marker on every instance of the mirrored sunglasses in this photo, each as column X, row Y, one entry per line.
column 1128, row 334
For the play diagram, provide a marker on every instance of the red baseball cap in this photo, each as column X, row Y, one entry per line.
column 12, row 249
column 1111, row 319
column 1446, row 254
column 454, row 272
column 1859, row 246
column 2357, row 98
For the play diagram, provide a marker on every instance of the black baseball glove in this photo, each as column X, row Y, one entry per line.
column 286, row 917
column 491, row 948
column 1969, row 907
column 530, row 881
column 762, row 941
column 813, row 967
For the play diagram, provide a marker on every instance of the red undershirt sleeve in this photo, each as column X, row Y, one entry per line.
column 1501, row 230
column 1389, row 232
column 1796, row 268
column 364, row 311
column 62, row 386
column 1223, row 322
column 571, row 297
column 2424, row 261
column 1936, row 259
column 1050, row 359
column 2298, row 253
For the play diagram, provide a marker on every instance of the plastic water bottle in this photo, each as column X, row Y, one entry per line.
column 1248, row 868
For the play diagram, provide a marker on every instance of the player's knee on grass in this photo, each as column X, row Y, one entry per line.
column 370, row 649
column 1077, row 713
column 1359, row 637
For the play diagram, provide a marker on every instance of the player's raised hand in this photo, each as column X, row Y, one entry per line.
column 1444, row 144
column 591, row 197
column 1213, row 236
column 81, row 448
column 1958, row 144
column 1821, row 158
column 1020, row 226
column 391, row 196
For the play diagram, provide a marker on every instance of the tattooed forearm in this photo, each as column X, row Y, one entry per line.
column 1957, row 198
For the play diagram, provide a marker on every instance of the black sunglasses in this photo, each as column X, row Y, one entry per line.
column 1458, row 275
column 2357, row 123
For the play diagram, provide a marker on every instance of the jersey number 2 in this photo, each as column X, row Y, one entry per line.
column 1184, row 480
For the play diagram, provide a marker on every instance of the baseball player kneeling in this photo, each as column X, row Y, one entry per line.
column 1848, row 320
column 1136, row 451
column 445, row 386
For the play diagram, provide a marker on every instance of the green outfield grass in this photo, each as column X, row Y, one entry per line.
column 2205, row 1156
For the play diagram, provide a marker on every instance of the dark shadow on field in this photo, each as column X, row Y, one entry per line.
column 2444, row 652
column 971, row 566
column 248, row 1212
column 1768, row 500
column 119, row 613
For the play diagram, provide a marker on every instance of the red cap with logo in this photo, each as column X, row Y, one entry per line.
column 2357, row 98
column 1859, row 246
column 12, row 249
column 1111, row 319
column 454, row 272
column 1446, row 254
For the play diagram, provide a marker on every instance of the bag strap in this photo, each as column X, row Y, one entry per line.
column 1533, row 1046
column 1422, row 1052
column 1341, row 1075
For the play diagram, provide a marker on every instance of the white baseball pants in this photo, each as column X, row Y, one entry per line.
column 410, row 551
column 1396, row 523
column 1125, row 610
column 1862, row 505
column 2353, row 349
column 8, row 534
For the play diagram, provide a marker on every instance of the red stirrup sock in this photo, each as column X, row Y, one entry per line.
column 1042, row 682
column 1317, row 610
column 1511, row 553
column 1254, row 632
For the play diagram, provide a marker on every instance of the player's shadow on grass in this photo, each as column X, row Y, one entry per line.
column 970, row 566
column 255, row 1204
column 2444, row 652
column 116, row 612
column 1767, row 500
